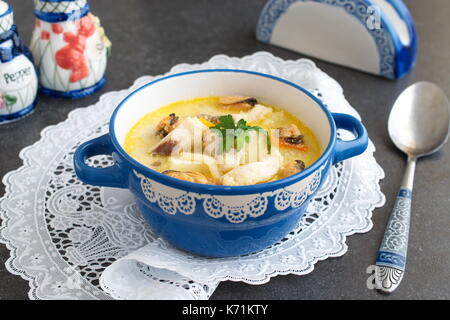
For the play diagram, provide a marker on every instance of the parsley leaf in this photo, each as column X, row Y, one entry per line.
column 235, row 135
column 226, row 122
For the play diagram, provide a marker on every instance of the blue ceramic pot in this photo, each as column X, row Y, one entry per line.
column 215, row 220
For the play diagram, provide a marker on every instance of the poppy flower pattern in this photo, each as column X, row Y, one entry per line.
column 57, row 28
column 72, row 57
column 45, row 35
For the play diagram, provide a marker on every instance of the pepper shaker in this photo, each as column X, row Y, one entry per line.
column 70, row 48
column 18, row 79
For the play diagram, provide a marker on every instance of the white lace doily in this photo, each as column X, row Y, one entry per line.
column 63, row 234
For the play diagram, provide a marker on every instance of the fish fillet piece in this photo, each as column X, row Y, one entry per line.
column 256, row 113
column 230, row 160
column 195, row 159
column 254, row 172
column 225, row 161
column 187, row 136
column 211, row 143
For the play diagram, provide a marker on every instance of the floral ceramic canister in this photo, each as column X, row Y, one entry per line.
column 18, row 79
column 70, row 48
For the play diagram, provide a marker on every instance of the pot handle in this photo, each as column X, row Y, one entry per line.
column 348, row 149
column 112, row 176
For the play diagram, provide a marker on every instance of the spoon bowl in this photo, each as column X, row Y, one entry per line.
column 419, row 122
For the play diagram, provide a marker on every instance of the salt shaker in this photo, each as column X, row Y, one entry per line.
column 70, row 48
column 18, row 79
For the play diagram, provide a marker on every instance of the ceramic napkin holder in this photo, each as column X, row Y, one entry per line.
column 375, row 36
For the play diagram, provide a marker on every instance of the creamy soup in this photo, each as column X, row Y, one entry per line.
column 190, row 140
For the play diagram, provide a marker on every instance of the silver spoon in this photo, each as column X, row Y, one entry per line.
column 419, row 125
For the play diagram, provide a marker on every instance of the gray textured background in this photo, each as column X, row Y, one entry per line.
column 149, row 37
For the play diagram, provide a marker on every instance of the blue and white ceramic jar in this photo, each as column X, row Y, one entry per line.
column 18, row 79
column 70, row 48
column 216, row 220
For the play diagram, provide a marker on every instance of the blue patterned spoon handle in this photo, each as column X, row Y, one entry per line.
column 391, row 259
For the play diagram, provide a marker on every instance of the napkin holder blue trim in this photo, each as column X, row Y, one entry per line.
column 388, row 54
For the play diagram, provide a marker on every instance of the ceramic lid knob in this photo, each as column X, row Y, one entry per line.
column 6, row 17
column 3, row 7
column 59, row 6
